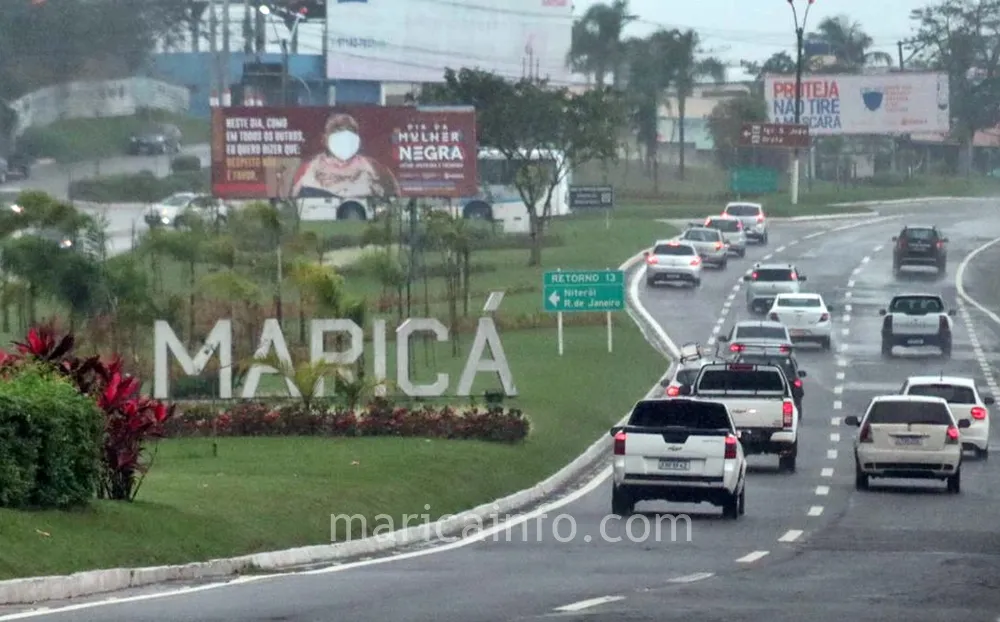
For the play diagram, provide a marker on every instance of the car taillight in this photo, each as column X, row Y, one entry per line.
column 978, row 413
column 825, row 317
column 718, row 245
column 794, row 277
column 866, row 434
column 620, row 444
column 798, row 383
column 785, row 349
column 673, row 391
column 774, row 317
column 952, row 435
column 902, row 242
column 651, row 259
column 736, row 347
column 760, row 217
column 787, row 413
column 940, row 244
column 739, row 225
column 754, row 276
column 731, row 447
column 696, row 261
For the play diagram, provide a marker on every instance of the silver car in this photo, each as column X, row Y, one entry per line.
column 672, row 261
column 753, row 218
column 692, row 359
column 732, row 232
column 766, row 281
column 710, row 244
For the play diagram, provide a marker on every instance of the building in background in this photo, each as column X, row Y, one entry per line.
column 699, row 146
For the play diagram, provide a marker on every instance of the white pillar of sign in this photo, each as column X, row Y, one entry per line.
column 559, row 325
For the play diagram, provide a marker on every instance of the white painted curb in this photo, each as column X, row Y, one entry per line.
column 910, row 201
column 39, row 589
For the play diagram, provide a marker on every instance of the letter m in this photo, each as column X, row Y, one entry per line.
column 219, row 340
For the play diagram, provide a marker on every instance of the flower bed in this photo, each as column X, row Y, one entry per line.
column 380, row 418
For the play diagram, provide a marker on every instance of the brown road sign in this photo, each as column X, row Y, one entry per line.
column 774, row 135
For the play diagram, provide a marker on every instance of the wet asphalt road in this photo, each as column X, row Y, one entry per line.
column 809, row 548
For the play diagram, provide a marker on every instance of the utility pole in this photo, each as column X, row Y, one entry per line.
column 225, row 54
column 284, row 72
column 800, row 30
column 213, row 42
column 899, row 44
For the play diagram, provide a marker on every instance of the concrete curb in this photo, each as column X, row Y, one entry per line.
column 817, row 217
column 39, row 589
column 910, row 201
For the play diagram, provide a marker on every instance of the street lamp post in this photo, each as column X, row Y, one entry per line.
column 800, row 31
column 299, row 16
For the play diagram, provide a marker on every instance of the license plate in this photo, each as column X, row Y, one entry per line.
column 909, row 441
column 672, row 276
column 797, row 332
column 675, row 465
column 914, row 342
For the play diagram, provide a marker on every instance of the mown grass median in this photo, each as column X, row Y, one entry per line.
column 223, row 496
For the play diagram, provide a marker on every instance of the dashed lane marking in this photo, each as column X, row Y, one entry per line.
column 591, row 602
column 791, row 535
column 847, row 318
column 752, row 557
column 838, row 405
column 851, row 283
column 835, row 421
column 822, row 490
column 815, row 510
column 831, row 454
column 691, row 578
column 780, row 249
column 841, row 375
column 826, row 472
column 847, row 295
column 834, row 437
column 841, row 362
column 878, row 248
column 848, row 309
column 838, row 390
column 845, row 331
column 865, row 259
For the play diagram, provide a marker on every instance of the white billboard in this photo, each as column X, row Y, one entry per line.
column 415, row 40
column 832, row 105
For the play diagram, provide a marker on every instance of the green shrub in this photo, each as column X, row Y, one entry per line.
column 185, row 164
column 50, row 442
column 142, row 187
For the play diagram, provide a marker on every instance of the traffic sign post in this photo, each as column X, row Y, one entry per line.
column 593, row 197
column 775, row 135
column 753, row 180
column 583, row 291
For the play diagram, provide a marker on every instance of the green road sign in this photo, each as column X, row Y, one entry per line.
column 753, row 180
column 584, row 290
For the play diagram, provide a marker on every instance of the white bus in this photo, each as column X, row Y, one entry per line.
column 498, row 198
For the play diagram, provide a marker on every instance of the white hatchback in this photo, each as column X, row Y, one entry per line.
column 964, row 400
column 908, row 437
column 806, row 316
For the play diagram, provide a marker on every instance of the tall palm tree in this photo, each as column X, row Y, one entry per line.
column 596, row 47
column 688, row 70
column 849, row 43
column 650, row 74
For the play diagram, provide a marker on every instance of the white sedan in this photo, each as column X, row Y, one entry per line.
column 806, row 316
column 965, row 401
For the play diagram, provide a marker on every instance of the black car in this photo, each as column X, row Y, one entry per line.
column 783, row 359
column 156, row 139
column 18, row 166
column 919, row 246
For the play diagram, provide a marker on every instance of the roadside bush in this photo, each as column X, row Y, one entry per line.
column 50, row 441
column 379, row 418
column 185, row 164
column 142, row 187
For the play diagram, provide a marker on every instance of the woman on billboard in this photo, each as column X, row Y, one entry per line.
column 341, row 170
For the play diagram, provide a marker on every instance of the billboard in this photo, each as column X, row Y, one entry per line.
column 343, row 152
column 408, row 41
column 835, row 105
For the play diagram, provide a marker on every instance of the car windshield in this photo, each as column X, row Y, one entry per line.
column 799, row 303
column 699, row 235
column 743, row 210
column 760, row 332
column 771, row 275
column 950, row 393
column 680, row 413
column 678, row 249
column 916, row 305
column 921, row 234
column 783, row 362
column 904, row 412
column 176, row 200
column 686, row 376
column 764, row 380
column 726, row 225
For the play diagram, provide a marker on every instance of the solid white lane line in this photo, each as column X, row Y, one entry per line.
column 838, row 405
column 815, row 510
column 822, row 490
column 831, row 454
column 835, row 421
column 691, row 578
column 826, row 473
column 752, row 557
column 592, row 602
column 791, row 535
column 835, row 437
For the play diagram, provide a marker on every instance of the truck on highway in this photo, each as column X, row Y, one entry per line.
column 760, row 400
column 679, row 450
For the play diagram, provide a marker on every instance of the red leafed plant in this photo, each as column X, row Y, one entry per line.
column 130, row 419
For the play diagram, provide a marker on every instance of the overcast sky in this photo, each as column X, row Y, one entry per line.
column 755, row 29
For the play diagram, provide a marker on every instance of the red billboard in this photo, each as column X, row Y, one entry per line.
column 343, row 152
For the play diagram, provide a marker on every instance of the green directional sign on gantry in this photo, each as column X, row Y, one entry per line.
column 584, row 290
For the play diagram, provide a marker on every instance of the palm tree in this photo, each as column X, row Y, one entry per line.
column 649, row 76
column 849, row 44
column 688, row 70
column 596, row 48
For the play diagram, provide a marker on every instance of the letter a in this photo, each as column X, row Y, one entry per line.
column 486, row 335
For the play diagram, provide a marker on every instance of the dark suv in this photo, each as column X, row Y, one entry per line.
column 919, row 246
column 781, row 357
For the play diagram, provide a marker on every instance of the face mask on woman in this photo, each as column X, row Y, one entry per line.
column 343, row 144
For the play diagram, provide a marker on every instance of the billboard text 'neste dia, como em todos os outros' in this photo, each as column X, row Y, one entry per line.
column 343, row 152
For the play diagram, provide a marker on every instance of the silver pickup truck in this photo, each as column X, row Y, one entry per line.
column 759, row 399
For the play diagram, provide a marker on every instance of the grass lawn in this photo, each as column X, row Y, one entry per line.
column 74, row 140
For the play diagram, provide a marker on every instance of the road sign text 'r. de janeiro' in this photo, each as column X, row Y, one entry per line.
column 568, row 291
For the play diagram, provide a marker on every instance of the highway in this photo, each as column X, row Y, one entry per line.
column 809, row 548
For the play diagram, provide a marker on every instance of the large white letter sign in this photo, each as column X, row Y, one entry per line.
column 486, row 335
column 270, row 335
column 407, row 328
column 317, row 353
column 219, row 340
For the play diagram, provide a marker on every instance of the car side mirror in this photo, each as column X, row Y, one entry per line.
column 831, row 308
column 665, row 383
column 746, row 277
column 881, row 311
column 945, row 240
column 722, row 339
column 895, row 238
column 802, row 373
column 852, row 421
column 989, row 400
column 615, row 430
column 964, row 423
column 739, row 434
column 951, row 313
column 803, row 278
column 645, row 253
column 684, row 390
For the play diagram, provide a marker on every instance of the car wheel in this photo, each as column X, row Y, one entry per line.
column 743, row 500
column 696, row 283
column 860, row 479
column 787, row 463
column 896, row 269
column 731, row 506
column 946, row 349
column 622, row 503
column 742, row 252
column 983, row 454
column 825, row 343
column 955, row 482
column 886, row 349
column 650, row 283
column 724, row 264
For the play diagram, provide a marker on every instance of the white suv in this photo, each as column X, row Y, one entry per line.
column 964, row 400
column 908, row 437
column 753, row 218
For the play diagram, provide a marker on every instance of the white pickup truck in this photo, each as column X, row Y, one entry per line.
column 916, row 320
column 759, row 399
column 679, row 450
